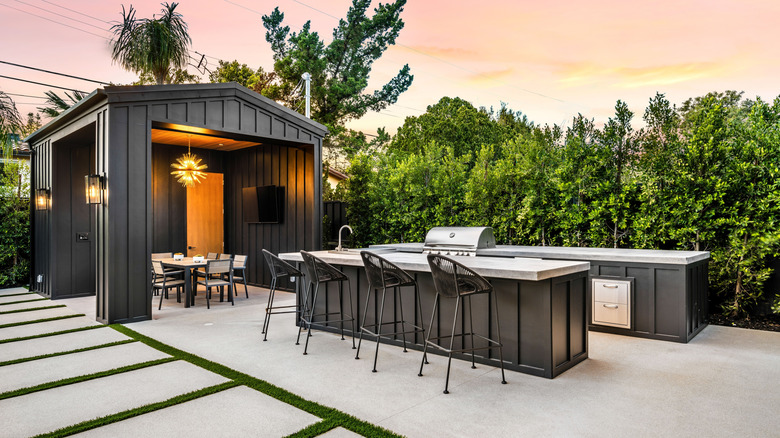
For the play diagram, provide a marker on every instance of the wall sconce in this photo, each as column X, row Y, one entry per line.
column 95, row 185
column 42, row 199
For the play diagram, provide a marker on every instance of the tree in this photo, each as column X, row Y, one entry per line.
column 151, row 45
column 257, row 80
column 10, row 122
column 341, row 69
column 56, row 104
column 176, row 76
column 14, row 209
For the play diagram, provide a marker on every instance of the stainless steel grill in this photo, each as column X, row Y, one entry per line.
column 458, row 240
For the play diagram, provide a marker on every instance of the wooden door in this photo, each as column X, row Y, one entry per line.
column 205, row 216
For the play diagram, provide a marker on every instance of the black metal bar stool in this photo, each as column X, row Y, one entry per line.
column 383, row 274
column 319, row 272
column 454, row 280
column 279, row 269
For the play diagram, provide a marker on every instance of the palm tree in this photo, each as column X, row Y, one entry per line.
column 10, row 123
column 56, row 104
column 151, row 45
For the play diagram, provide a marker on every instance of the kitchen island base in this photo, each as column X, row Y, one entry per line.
column 543, row 322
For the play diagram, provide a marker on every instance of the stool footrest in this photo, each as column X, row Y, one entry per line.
column 495, row 343
column 413, row 329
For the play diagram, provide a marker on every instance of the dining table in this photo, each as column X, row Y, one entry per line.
column 187, row 264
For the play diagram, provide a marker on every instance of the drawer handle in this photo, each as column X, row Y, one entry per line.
column 610, row 286
column 611, row 306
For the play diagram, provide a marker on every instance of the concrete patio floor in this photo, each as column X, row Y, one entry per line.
column 726, row 382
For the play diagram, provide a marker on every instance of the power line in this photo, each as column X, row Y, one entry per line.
column 26, row 95
column 54, row 73
column 59, row 15
column 73, row 10
column 41, row 83
column 53, row 21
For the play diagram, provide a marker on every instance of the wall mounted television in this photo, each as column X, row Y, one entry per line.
column 263, row 205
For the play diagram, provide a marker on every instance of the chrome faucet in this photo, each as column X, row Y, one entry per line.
column 339, row 248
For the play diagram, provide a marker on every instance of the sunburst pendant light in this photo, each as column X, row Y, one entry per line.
column 188, row 168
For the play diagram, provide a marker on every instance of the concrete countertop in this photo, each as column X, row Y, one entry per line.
column 655, row 256
column 492, row 267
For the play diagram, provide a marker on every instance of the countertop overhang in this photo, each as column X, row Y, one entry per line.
column 627, row 255
column 519, row 268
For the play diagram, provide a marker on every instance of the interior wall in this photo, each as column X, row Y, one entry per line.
column 290, row 167
column 169, row 198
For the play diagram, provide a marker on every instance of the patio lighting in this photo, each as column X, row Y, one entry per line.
column 188, row 168
column 42, row 199
column 94, row 188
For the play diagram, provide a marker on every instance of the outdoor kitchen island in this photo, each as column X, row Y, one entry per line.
column 542, row 306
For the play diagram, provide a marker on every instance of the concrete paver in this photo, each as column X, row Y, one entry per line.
column 236, row 412
column 51, row 369
column 46, row 327
column 52, row 409
column 34, row 315
column 59, row 343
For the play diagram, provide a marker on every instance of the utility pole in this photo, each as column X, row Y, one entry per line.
column 307, row 77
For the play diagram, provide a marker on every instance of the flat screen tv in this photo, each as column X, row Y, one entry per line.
column 263, row 205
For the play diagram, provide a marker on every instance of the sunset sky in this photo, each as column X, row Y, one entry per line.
column 550, row 59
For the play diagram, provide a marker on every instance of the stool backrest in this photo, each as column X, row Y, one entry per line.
column 279, row 268
column 452, row 278
column 319, row 270
column 219, row 266
column 383, row 273
column 162, row 255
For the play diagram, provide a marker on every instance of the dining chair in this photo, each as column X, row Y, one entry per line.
column 166, row 255
column 239, row 267
column 225, row 256
column 164, row 281
column 213, row 278
column 211, row 256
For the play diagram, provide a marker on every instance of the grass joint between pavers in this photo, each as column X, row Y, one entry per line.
column 84, row 378
column 31, row 309
column 54, row 318
column 62, row 353
column 331, row 417
column 45, row 335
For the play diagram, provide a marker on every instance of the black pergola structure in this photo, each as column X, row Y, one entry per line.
column 128, row 137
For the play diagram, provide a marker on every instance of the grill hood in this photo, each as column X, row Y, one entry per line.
column 458, row 240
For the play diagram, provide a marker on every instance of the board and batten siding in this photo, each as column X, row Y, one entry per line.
column 125, row 224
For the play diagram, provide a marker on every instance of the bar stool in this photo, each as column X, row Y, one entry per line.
column 454, row 280
column 319, row 272
column 279, row 269
column 383, row 274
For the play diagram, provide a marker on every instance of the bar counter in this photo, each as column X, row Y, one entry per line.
column 542, row 305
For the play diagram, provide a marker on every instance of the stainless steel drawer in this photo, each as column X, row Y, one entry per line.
column 611, row 314
column 611, row 302
column 611, row 291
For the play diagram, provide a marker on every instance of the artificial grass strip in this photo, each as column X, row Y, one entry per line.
column 32, row 309
column 54, row 318
column 333, row 417
column 83, row 378
column 23, row 301
column 62, row 353
column 44, row 335
column 130, row 413
column 315, row 429
column 16, row 295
